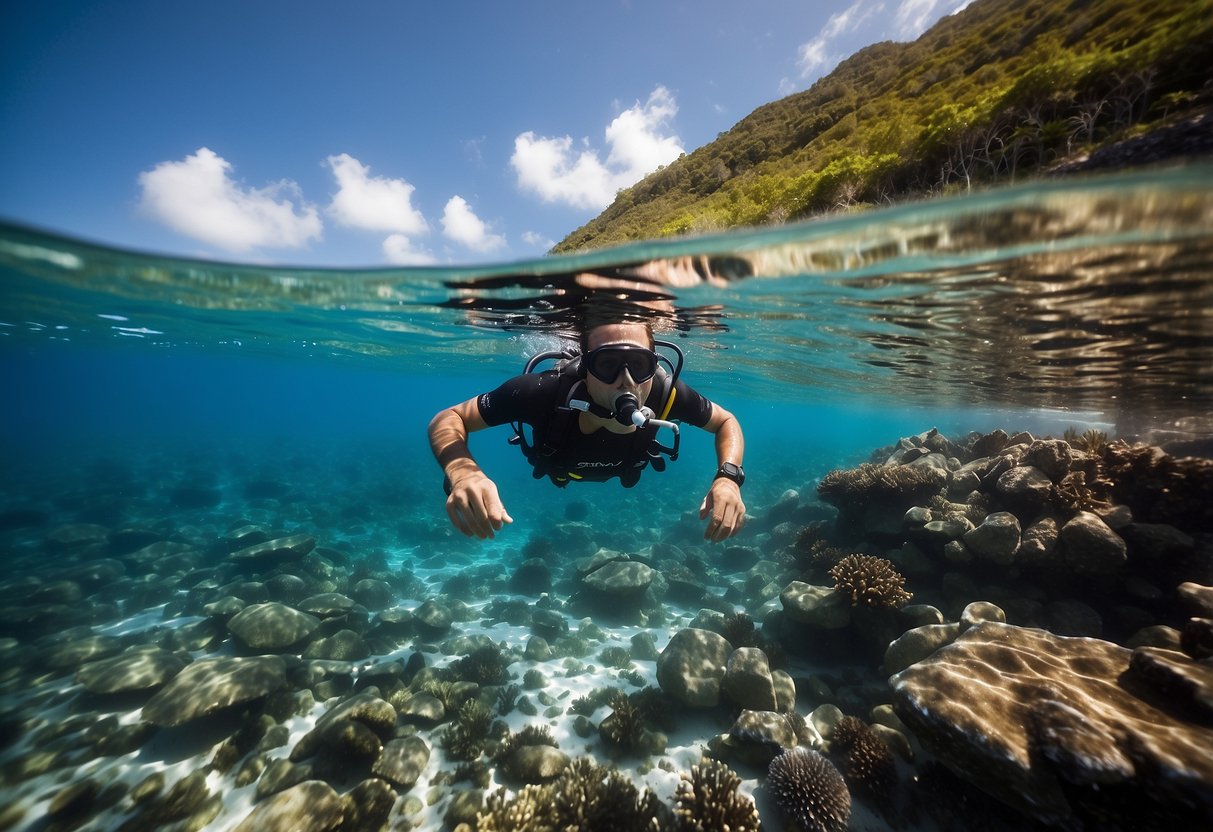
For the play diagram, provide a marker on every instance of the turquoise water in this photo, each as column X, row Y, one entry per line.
column 154, row 392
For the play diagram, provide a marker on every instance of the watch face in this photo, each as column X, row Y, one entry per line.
column 733, row 472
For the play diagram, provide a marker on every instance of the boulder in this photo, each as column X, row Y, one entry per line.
column 402, row 761
column 271, row 626
column 1025, row 486
column 691, row 667
column 311, row 806
column 138, row 669
column 281, row 549
column 996, row 539
column 914, row 645
column 208, row 685
column 818, row 606
column 747, row 680
column 620, row 578
column 1091, row 548
column 1052, row 726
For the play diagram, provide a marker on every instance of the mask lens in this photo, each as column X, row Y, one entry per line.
column 606, row 363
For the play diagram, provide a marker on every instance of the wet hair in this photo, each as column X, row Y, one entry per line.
column 584, row 336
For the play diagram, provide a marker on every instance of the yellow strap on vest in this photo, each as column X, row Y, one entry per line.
column 669, row 405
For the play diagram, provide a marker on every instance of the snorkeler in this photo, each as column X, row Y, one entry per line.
column 593, row 418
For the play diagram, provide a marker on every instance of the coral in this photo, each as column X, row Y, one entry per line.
column 655, row 706
column 592, row 701
column 477, row 773
column 707, row 801
column 738, row 628
column 902, row 485
column 624, row 727
column 534, row 680
column 584, row 797
column 507, row 698
column 444, row 691
column 809, row 791
column 867, row 762
column 1055, row 728
column 486, row 665
column 1160, row 488
column 1093, row 441
column 870, row 581
column 619, row 657
column 460, row 744
column 474, row 718
column 529, row 735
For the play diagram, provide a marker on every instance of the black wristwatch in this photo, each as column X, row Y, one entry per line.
column 731, row 472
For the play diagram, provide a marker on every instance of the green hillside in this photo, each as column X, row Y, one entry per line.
column 995, row 92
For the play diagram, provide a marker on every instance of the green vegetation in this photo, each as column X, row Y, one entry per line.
column 997, row 91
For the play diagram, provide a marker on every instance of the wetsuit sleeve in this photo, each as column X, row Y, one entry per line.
column 527, row 398
column 689, row 406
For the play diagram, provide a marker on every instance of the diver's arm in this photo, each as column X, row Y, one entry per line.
column 474, row 506
column 723, row 501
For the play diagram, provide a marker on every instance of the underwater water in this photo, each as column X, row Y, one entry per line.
column 163, row 417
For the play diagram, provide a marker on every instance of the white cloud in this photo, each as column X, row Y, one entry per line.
column 372, row 203
column 638, row 142
column 534, row 238
column 460, row 223
column 399, row 250
column 916, row 16
column 820, row 53
column 198, row 198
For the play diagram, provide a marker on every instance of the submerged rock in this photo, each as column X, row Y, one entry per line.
column 818, row 606
column 692, row 666
column 292, row 547
column 208, row 685
column 402, row 761
column 1091, row 548
column 747, row 680
column 138, row 669
column 623, row 579
column 311, row 806
column 1050, row 726
column 272, row 626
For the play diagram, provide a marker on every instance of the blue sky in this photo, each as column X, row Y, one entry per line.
column 390, row 132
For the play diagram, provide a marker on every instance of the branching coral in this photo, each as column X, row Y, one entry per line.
column 738, row 630
column 809, row 791
column 707, row 801
column 867, row 762
column 507, row 698
column 624, row 727
column 904, row 485
column 592, row 701
column 486, row 665
column 616, row 656
column 530, row 735
column 584, row 797
column 870, row 581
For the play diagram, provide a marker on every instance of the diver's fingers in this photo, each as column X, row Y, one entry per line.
column 705, row 506
column 453, row 512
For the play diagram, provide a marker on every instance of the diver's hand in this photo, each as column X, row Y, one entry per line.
column 725, row 505
column 475, row 507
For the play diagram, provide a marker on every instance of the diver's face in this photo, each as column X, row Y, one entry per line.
column 631, row 334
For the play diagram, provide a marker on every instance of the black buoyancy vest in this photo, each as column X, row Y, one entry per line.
column 546, row 452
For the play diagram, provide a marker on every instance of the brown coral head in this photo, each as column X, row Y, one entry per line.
column 707, row 799
column 870, row 581
column 867, row 761
column 809, row 791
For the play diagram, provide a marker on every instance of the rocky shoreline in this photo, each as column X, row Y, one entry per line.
column 996, row 616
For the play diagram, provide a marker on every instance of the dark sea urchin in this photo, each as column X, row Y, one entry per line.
column 809, row 791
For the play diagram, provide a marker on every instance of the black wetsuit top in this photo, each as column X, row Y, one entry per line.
column 533, row 399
